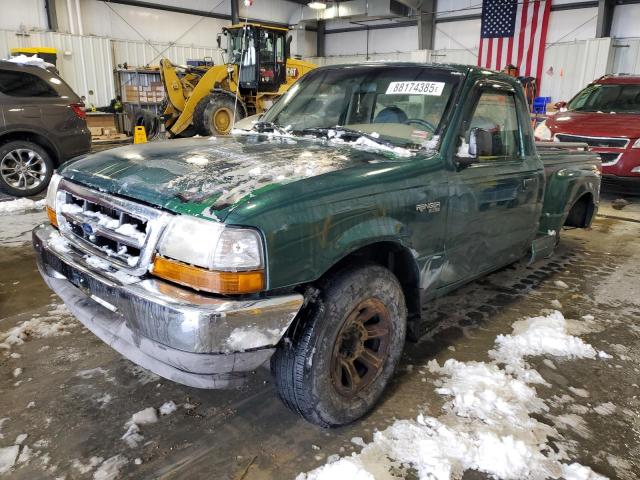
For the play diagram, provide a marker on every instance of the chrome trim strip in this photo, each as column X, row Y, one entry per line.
column 616, row 139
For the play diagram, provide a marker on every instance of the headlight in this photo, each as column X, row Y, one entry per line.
column 542, row 132
column 636, row 144
column 210, row 256
column 51, row 199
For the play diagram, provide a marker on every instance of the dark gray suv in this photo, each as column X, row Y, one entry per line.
column 42, row 124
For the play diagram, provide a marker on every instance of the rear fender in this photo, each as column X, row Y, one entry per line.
column 564, row 188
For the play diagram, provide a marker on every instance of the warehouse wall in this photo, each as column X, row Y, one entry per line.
column 564, row 26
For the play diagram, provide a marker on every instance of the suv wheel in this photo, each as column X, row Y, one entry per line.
column 334, row 366
column 25, row 168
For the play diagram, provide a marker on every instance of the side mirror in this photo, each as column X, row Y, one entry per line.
column 560, row 106
column 480, row 143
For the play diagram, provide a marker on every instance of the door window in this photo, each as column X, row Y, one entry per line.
column 496, row 113
column 21, row 84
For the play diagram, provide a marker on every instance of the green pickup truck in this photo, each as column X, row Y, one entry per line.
column 311, row 239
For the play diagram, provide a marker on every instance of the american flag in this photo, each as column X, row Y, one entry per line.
column 514, row 32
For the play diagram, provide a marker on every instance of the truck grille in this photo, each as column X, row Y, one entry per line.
column 614, row 142
column 122, row 232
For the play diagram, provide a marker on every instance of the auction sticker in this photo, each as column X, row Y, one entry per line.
column 415, row 88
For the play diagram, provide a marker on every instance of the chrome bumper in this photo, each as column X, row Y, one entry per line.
column 194, row 339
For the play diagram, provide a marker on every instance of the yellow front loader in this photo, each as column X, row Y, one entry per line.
column 207, row 100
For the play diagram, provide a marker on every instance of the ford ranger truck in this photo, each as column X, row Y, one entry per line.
column 312, row 240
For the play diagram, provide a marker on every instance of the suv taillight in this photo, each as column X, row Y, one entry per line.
column 78, row 109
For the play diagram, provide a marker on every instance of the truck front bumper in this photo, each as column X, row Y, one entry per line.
column 195, row 339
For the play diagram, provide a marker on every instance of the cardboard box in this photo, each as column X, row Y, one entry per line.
column 96, row 131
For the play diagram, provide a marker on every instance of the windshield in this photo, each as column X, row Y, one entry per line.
column 235, row 47
column 403, row 105
column 607, row 98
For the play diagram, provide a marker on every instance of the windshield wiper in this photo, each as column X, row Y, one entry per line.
column 341, row 132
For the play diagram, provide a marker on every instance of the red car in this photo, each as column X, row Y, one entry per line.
column 606, row 115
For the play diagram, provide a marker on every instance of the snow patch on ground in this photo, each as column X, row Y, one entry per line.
column 110, row 468
column 8, row 457
column 148, row 415
column 605, row 409
column 58, row 321
column 20, row 205
column 168, row 408
column 86, row 467
column 488, row 422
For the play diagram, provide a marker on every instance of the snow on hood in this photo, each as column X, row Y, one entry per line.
column 216, row 172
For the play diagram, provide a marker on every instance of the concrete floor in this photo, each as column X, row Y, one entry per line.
column 74, row 394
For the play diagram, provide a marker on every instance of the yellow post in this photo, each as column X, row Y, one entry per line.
column 139, row 135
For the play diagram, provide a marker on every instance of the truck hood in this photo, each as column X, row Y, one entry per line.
column 208, row 176
column 594, row 124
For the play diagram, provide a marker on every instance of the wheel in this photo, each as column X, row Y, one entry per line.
column 335, row 364
column 25, row 168
column 213, row 114
column 148, row 120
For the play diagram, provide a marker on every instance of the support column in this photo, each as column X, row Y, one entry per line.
column 235, row 16
column 605, row 17
column 426, row 24
column 52, row 16
column 320, row 39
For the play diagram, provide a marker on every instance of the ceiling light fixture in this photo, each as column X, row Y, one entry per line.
column 315, row 5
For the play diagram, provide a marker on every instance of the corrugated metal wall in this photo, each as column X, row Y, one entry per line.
column 85, row 63
column 141, row 54
column 568, row 66
column 626, row 55
column 574, row 65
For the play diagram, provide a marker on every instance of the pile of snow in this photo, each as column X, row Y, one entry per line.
column 33, row 60
column 86, row 467
column 58, row 321
column 133, row 437
column 488, row 422
column 110, row 468
column 8, row 457
column 21, row 205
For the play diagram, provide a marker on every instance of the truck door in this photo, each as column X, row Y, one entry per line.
column 493, row 203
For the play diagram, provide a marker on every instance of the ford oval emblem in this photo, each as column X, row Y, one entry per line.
column 87, row 228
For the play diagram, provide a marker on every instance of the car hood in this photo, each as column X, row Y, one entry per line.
column 208, row 176
column 595, row 124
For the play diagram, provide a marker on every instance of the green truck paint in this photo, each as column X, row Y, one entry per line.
column 435, row 218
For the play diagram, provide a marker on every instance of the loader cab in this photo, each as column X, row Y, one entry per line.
column 260, row 53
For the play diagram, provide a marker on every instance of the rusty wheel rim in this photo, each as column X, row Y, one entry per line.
column 361, row 347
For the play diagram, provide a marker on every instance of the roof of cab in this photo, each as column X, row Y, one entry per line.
column 626, row 79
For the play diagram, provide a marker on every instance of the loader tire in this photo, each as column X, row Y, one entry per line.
column 148, row 120
column 214, row 114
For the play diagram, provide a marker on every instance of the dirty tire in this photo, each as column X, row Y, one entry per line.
column 308, row 366
column 25, row 168
column 147, row 119
column 213, row 114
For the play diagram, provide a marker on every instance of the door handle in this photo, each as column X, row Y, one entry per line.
column 527, row 183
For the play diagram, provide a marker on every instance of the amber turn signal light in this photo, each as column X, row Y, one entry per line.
column 51, row 213
column 208, row 280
